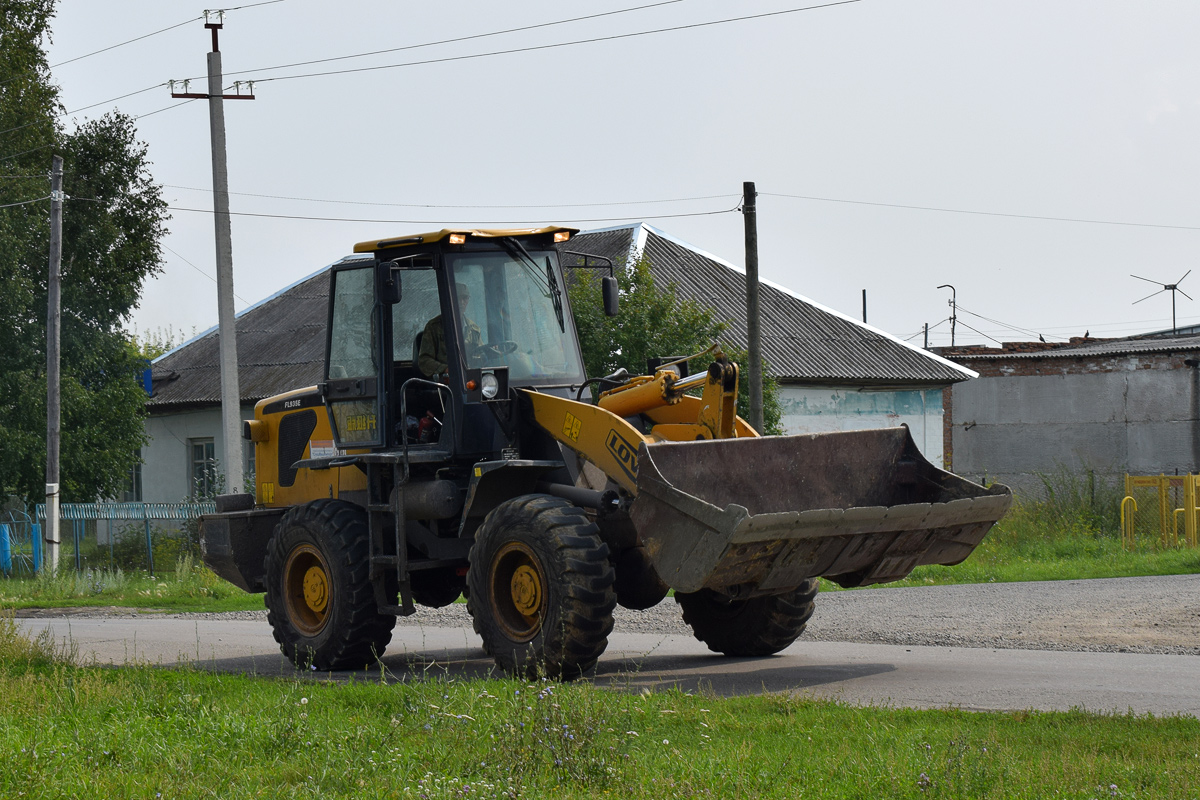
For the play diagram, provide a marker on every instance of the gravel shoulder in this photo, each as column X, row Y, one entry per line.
column 1158, row 614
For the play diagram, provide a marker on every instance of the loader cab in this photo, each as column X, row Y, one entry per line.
column 499, row 307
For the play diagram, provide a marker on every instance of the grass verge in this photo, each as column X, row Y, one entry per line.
column 192, row 587
column 143, row 732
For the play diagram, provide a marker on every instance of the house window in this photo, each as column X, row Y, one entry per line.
column 204, row 467
column 133, row 482
column 249, row 479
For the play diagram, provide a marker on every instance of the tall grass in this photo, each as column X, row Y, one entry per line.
column 20, row 651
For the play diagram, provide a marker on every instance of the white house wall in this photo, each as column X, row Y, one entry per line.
column 166, row 459
column 817, row 409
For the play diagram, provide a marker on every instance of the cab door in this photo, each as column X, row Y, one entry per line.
column 352, row 358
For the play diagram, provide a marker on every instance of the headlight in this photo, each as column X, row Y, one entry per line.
column 489, row 385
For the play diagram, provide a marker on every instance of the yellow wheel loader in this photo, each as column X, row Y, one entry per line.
column 448, row 451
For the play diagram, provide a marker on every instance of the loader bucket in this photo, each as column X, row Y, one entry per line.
column 857, row 507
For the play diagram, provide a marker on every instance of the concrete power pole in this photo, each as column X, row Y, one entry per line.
column 753, row 333
column 53, row 363
column 231, row 405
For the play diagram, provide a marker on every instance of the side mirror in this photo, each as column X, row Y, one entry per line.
column 608, row 285
column 391, row 288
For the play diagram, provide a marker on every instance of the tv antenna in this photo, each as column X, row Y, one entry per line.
column 1166, row 287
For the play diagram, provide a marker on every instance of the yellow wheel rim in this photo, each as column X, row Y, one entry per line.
column 517, row 591
column 306, row 589
column 316, row 589
column 526, row 590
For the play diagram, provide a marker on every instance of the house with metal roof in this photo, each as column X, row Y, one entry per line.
column 281, row 346
column 1105, row 406
column 835, row 373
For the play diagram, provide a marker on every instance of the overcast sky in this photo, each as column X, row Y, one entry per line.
column 1086, row 111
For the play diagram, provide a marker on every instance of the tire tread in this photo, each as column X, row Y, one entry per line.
column 758, row 626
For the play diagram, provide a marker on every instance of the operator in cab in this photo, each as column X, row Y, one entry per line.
column 433, row 359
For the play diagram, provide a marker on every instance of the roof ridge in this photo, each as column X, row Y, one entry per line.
column 796, row 295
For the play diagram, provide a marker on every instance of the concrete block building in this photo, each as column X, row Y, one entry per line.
column 1111, row 406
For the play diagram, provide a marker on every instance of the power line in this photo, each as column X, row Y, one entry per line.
column 202, row 272
column 535, row 48
column 983, row 213
column 93, row 105
column 325, row 60
column 429, row 222
column 458, row 39
column 25, row 202
column 1026, row 331
column 122, row 44
column 114, row 99
column 436, row 205
column 26, row 152
column 923, row 330
column 981, row 333
column 154, row 33
column 447, row 41
column 131, row 41
column 166, row 108
column 250, row 5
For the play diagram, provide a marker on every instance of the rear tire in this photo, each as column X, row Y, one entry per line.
column 320, row 601
column 541, row 588
column 758, row 626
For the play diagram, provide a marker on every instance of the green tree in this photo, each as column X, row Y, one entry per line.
column 152, row 344
column 656, row 322
column 113, row 222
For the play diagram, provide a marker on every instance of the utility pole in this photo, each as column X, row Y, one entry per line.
column 231, row 404
column 953, row 309
column 53, row 363
column 864, row 306
column 753, row 334
column 926, row 335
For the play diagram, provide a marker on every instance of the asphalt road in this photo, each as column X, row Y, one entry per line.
column 882, row 674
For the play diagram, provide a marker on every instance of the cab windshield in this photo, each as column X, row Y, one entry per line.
column 514, row 315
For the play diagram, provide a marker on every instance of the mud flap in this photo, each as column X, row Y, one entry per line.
column 858, row 507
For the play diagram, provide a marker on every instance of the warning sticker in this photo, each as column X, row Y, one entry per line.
column 322, row 448
column 571, row 427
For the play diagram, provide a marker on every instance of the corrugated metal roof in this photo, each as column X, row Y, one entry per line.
column 803, row 341
column 281, row 340
column 1107, row 347
column 281, row 346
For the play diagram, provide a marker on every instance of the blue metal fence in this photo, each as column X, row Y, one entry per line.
column 129, row 532
column 20, row 544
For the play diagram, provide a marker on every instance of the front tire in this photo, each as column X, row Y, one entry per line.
column 758, row 626
column 541, row 588
column 320, row 601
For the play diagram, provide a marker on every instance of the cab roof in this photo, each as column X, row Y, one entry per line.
column 436, row 236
